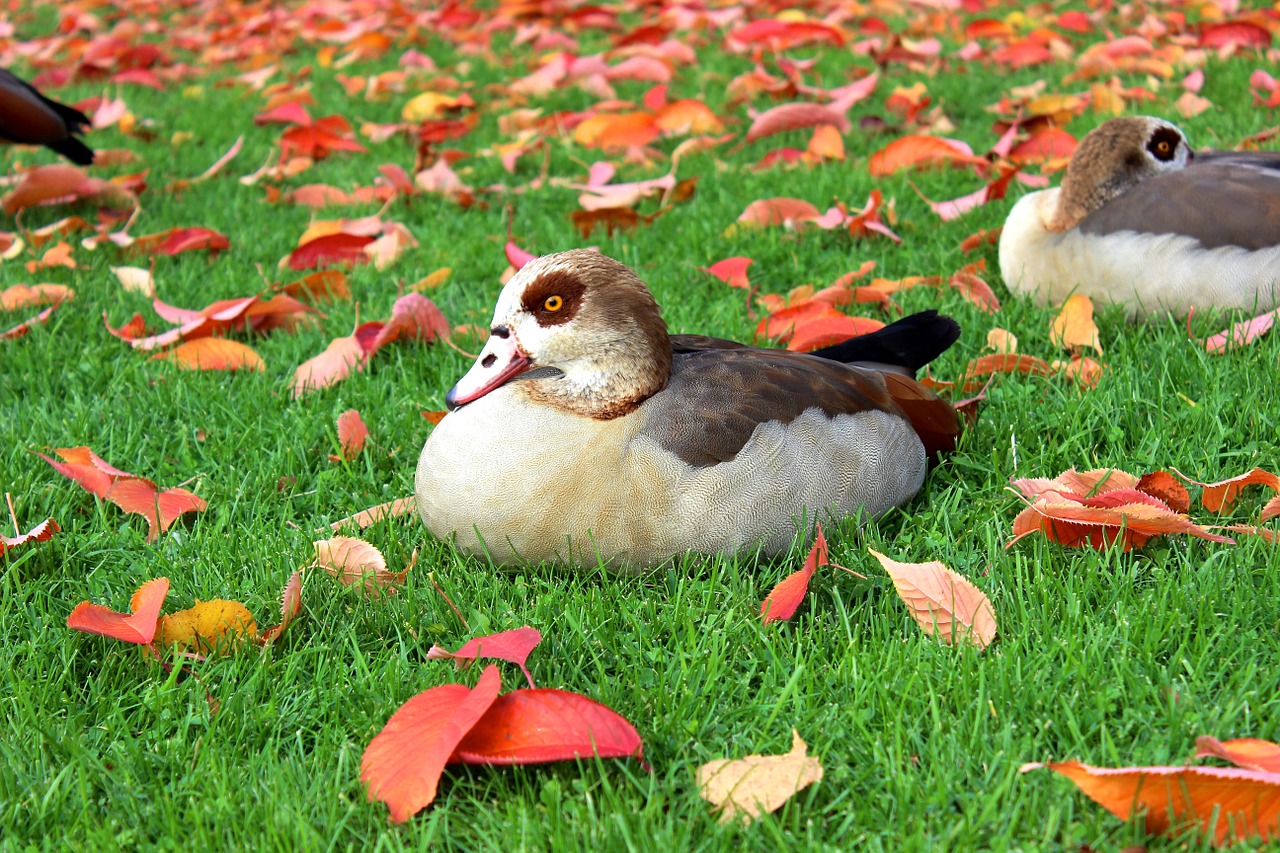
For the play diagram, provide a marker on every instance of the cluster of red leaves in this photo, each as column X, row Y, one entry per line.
column 131, row 493
column 455, row 724
column 198, row 349
column 1105, row 506
column 1229, row 805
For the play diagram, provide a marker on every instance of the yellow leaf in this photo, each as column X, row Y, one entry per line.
column 1074, row 328
column 428, row 106
column 211, row 626
column 758, row 784
column 1002, row 341
column 435, row 279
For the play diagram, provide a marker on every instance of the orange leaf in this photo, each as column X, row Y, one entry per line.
column 22, row 296
column 1247, row 753
column 1162, row 485
column 1271, row 510
column 782, row 324
column 331, row 366
column 56, row 184
column 617, row 130
column 940, row 600
column 779, row 211
column 999, row 363
column 1231, row 803
column 826, row 143
column 160, row 509
column 1220, row 496
column 784, row 599
column 540, row 725
column 352, row 434
column 403, row 763
column 139, row 627
column 1074, row 328
column 213, row 354
column 920, row 152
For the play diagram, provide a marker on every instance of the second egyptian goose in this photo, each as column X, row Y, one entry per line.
column 1142, row 220
column 584, row 432
column 29, row 118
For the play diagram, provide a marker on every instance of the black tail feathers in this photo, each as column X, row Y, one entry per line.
column 910, row 343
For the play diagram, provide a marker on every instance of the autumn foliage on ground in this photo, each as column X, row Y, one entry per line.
column 224, row 343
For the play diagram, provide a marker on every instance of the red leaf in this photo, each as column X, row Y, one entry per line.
column 538, row 726
column 794, row 117
column 175, row 241
column 139, row 627
column 56, row 184
column 290, row 607
column 1238, row 33
column 1162, row 485
column 414, row 316
column 784, row 599
column 161, row 510
column 825, row 331
column 339, row 248
column 779, row 211
column 27, row 325
column 42, row 532
column 331, row 366
column 516, row 256
column 1002, row 363
column 513, row 646
column 403, row 762
column 290, row 112
column 1241, row 334
column 732, row 271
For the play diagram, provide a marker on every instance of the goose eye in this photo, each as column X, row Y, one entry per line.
column 1163, row 147
column 553, row 303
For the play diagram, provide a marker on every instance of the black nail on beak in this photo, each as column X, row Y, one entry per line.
column 451, row 399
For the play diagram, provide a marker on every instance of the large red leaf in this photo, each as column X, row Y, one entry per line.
column 403, row 763
column 541, row 725
column 160, row 509
column 784, row 599
column 732, row 271
column 794, row 117
column 828, row 330
column 513, row 646
column 138, row 627
column 339, row 248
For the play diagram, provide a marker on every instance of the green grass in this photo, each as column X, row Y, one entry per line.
column 1110, row 658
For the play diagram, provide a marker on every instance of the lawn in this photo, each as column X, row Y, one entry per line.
column 1111, row 658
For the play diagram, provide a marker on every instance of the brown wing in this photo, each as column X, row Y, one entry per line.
column 717, row 397
column 697, row 343
column 1225, row 198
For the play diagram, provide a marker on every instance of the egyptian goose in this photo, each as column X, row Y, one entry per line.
column 29, row 118
column 1142, row 220
column 585, row 433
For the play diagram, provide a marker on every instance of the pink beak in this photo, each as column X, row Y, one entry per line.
column 500, row 361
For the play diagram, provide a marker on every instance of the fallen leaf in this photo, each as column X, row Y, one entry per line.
column 213, row 354
column 920, row 152
column 987, row 365
column 371, row 516
column 290, row 607
column 1241, row 334
column 513, row 646
column 1221, row 496
column 942, row 602
column 353, row 561
column 403, row 763
column 537, row 726
column 210, row 627
column 732, row 271
column 136, row 280
column 795, row 116
column 1246, row 753
column 746, row 788
column 352, row 434
column 784, row 599
column 138, row 627
column 1073, row 328
column 1002, row 342
column 42, row 532
column 1230, row 804
column 21, row 296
